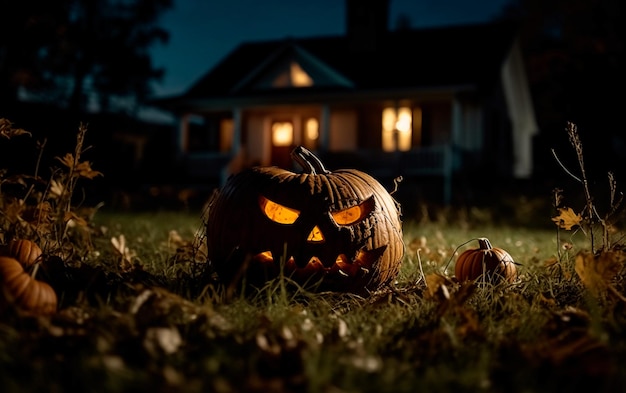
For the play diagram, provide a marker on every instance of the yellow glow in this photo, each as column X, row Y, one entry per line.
column 277, row 212
column 282, row 133
column 353, row 214
column 312, row 129
column 403, row 125
column 299, row 77
column 315, row 236
column 348, row 216
column 389, row 119
column 397, row 129
column 265, row 257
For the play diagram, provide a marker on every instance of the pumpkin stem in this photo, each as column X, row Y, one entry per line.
column 33, row 274
column 308, row 161
column 484, row 243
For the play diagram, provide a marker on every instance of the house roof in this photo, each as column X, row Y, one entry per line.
column 431, row 58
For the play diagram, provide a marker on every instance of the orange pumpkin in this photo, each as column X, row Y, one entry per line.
column 490, row 263
column 25, row 251
column 17, row 287
column 341, row 229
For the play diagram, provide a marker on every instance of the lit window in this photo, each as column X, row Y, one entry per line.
column 397, row 129
column 299, row 78
column 312, row 129
column 403, row 125
column 227, row 129
column 282, row 133
column 292, row 76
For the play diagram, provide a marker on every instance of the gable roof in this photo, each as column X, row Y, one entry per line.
column 444, row 57
column 286, row 55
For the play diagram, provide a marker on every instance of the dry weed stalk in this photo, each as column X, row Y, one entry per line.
column 40, row 210
column 598, row 268
column 589, row 216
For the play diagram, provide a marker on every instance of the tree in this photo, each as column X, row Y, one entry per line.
column 574, row 52
column 27, row 27
column 78, row 53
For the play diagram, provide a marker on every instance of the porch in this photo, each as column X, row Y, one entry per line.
column 438, row 161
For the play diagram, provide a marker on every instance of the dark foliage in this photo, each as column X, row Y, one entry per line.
column 77, row 53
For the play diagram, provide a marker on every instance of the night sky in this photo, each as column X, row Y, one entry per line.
column 203, row 32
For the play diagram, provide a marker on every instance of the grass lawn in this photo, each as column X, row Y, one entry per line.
column 151, row 326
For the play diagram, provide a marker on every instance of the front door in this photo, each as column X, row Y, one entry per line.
column 282, row 143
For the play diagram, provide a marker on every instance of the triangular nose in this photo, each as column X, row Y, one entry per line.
column 315, row 236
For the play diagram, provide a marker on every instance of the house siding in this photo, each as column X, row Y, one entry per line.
column 257, row 136
column 343, row 131
column 436, row 123
column 370, row 116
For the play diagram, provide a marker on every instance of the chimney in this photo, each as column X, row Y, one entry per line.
column 366, row 23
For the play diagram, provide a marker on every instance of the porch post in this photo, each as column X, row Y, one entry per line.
column 457, row 122
column 236, row 147
column 182, row 136
column 450, row 156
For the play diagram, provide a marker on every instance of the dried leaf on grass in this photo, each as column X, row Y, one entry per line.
column 598, row 271
column 452, row 300
column 436, row 286
column 126, row 254
column 443, row 288
column 158, row 306
column 162, row 340
column 186, row 250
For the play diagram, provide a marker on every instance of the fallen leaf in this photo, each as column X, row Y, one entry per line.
column 597, row 271
column 162, row 340
column 127, row 255
column 436, row 286
column 567, row 218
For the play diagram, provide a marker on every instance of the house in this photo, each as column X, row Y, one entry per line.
column 442, row 101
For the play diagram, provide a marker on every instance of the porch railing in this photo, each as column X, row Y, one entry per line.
column 426, row 161
column 432, row 160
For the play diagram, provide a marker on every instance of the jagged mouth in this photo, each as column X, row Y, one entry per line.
column 359, row 266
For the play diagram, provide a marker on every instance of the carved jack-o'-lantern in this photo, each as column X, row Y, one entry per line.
column 341, row 229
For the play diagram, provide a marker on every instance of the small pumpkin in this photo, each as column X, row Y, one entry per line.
column 18, row 287
column 25, row 251
column 341, row 229
column 491, row 263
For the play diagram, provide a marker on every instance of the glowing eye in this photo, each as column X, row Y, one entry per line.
column 278, row 213
column 354, row 214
